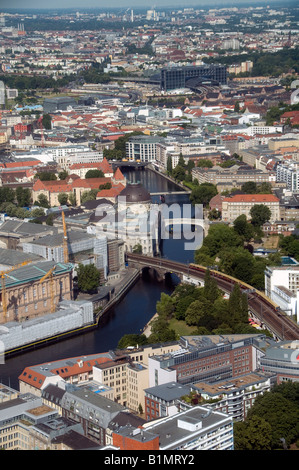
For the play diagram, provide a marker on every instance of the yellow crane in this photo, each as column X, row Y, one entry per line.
column 3, row 286
column 65, row 245
column 50, row 274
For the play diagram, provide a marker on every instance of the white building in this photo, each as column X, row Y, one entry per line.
column 288, row 172
column 142, row 148
column 282, row 286
column 198, row 428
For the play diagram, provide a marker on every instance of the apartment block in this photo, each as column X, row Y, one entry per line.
column 282, row 286
column 198, row 428
column 241, row 204
column 234, row 397
column 91, row 410
column 288, row 172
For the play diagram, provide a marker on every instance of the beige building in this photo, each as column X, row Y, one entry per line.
column 276, row 144
column 28, row 296
column 232, row 177
column 233, row 207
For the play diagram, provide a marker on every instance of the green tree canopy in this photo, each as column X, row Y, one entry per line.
column 94, row 174
column 260, row 214
column 88, row 277
column 63, row 198
column 23, row 196
column 203, row 193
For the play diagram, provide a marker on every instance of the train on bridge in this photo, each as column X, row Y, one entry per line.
column 262, row 307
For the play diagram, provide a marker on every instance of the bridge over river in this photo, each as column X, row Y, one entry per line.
column 268, row 313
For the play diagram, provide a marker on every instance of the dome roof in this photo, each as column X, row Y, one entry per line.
column 135, row 193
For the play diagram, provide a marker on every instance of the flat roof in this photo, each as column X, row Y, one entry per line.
column 171, row 432
column 57, row 239
column 226, row 386
column 34, row 272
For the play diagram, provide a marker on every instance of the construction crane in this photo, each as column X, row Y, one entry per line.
column 50, row 275
column 40, row 123
column 65, row 245
column 3, row 286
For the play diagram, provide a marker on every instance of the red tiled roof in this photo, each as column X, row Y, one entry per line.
column 118, row 175
column 64, row 369
column 259, row 198
column 59, row 186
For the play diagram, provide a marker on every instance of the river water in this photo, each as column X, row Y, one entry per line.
column 128, row 316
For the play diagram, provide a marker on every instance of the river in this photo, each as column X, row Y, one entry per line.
column 128, row 316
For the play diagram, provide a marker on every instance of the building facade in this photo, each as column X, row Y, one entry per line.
column 28, row 296
column 178, row 77
column 241, row 204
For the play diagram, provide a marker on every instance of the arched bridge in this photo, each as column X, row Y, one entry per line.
column 278, row 323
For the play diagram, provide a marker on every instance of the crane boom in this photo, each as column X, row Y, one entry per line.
column 3, row 286
column 65, row 245
column 50, row 274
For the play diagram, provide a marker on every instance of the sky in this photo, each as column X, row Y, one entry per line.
column 38, row 4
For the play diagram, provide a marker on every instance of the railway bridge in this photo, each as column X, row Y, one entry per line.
column 274, row 319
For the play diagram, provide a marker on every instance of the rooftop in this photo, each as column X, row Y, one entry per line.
column 34, row 272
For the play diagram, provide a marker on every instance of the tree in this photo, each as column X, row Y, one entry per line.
column 220, row 236
column 46, row 176
column 243, row 228
column 88, row 277
column 62, row 198
column 62, row 175
column 254, row 434
column 23, row 196
column 46, row 121
column 210, row 289
column 42, row 201
column 169, row 165
column 72, row 199
column 249, row 187
column 94, row 174
column 203, row 193
column 131, row 340
column 204, row 163
column 37, row 212
column 281, row 412
column 260, row 214
column 165, row 306
column 179, row 173
column 214, row 214
column 89, row 195
column 238, row 305
column 7, row 194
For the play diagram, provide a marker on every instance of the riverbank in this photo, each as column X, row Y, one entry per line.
column 169, row 178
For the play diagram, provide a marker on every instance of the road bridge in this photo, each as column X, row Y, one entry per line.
column 161, row 193
column 268, row 313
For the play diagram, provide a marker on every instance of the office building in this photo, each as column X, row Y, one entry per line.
column 282, row 286
column 205, row 358
column 142, row 148
column 241, row 204
column 198, row 428
column 282, row 359
column 181, row 77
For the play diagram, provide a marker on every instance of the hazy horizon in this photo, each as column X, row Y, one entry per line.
column 99, row 4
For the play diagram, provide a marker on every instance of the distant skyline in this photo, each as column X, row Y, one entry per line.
column 79, row 4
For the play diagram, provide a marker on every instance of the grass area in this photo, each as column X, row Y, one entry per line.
column 180, row 327
column 271, row 242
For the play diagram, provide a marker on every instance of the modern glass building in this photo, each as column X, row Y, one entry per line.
column 179, row 77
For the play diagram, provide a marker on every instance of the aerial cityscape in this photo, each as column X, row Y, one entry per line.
column 149, row 228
